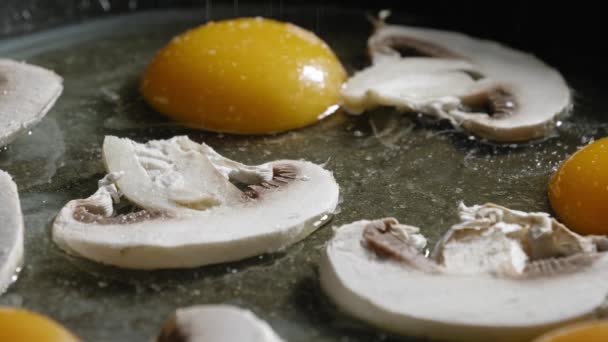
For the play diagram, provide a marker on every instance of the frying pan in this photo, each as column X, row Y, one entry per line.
column 416, row 171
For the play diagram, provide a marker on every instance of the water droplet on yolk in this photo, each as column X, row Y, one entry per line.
column 595, row 331
column 247, row 76
column 578, row 191
column 22, row 325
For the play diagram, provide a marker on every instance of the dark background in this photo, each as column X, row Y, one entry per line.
column 557, row 28
column 565, row 34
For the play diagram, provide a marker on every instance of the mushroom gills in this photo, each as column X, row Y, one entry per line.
column 215, row 323
column 27, row 93
column 11, row 231
column 197, row 207
column 499, row 274
column 488, row 89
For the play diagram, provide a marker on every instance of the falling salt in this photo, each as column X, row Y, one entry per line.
column 321, row 221
column 358, row 133
column 15, row 275
column 102, row 284
column 105, row 5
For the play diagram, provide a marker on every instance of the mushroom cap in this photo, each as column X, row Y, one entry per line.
column 216, row 323
column 456, row 307
column 11, row 231
column 27, row 93
column 171, row 234
column 460, row 70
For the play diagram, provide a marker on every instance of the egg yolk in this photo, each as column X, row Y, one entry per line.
column 247, row 75
column 21, row 325
column 578, row 191
column 582, row 332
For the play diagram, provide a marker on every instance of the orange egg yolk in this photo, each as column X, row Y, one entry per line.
column 582, row 332
column 578, row 191
column 247, row 76
column 22, row 325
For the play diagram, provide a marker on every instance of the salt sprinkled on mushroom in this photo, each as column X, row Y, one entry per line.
column 489, row 89
column 27, row 93
column 197, row 207
column 499, row 275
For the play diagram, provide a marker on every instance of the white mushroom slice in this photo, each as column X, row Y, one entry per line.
column 27, row 93
column 489, row 89
column 192, row 213
column 216, row 323
column 11, row 231
column 499, row 275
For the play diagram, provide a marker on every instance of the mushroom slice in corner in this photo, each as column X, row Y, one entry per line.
column 197, row 207
column 499, row 275
column 489, row 89
column 215, row 323
column 11, row 231
column 27, row 93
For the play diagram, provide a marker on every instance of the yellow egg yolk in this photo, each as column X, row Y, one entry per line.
column 247, row 76
column 578, row 191
column 583, row 332
column 21, row 325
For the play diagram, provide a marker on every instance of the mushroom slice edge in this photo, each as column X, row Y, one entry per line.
column 11, row 231
column 210, row 323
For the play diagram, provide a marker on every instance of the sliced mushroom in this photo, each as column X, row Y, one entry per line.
column 499, row 275
column 489, row 89
column 198, row 208
column 215, row 323
column 27, row 93
column 11, row 231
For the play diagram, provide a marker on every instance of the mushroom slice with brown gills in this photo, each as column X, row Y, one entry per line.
column 498, row 275
column 11, row 231
column 27, row 93
column 489, row 89
column 215, row 323
column 197, row 207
